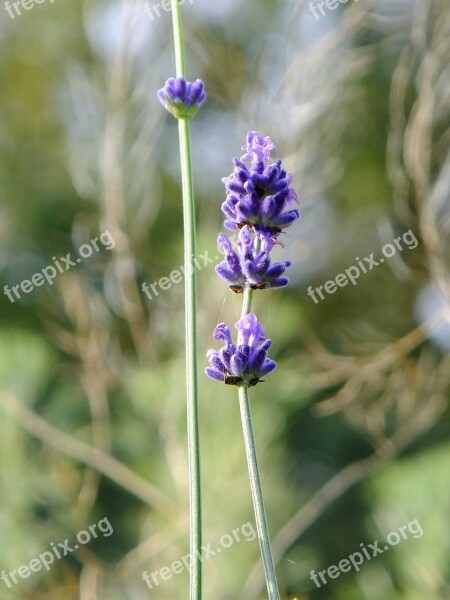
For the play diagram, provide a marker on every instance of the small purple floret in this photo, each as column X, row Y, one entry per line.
column 182, row 98
column 245, row 362
column 257, row 149
column 250, row 262
column 259, row 194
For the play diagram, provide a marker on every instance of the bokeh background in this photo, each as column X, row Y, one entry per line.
column 352, row 428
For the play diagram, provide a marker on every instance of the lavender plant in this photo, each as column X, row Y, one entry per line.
column 260, row 203
column 183, row 99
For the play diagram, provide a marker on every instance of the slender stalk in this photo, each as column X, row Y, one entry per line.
column 191, row 326
column 255, row 481
column 247, row 302
column 177, row 24
column 248, row 292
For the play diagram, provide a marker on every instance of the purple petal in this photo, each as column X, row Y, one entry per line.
column 257, row 360
column 225, row 355
column 196, row 91
column 268, row 367
column 222, row 332
column 279, row 282
column 276, row 270
column 228, row 210
column 216, row 363
column 236, row 187
column 250, row 331
column 234, row 264
column 286, row 219
column 180, row 87
column 250, row 272
column 214, row 374
column 231, row 225
column 236, row 366
column 226, row 274
column 263, row 264
column 268, row 207
column 224, row 243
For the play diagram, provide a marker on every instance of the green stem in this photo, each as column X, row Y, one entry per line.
column 177, row 24
column 247, row 302
column 191, row 327
column 248, row 292
column 255, row 481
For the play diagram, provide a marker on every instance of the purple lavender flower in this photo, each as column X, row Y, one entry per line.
column 245, row 362
column 182, row 98
column 257, row 148
column 260, row 195
column 251, row 263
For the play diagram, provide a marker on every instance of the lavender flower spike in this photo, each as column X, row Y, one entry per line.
column 251, row 262
column 258, row 203
column 245, row 363
column 182, row 98
column 259, row 195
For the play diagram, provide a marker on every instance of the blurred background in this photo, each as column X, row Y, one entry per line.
column 352, row 428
